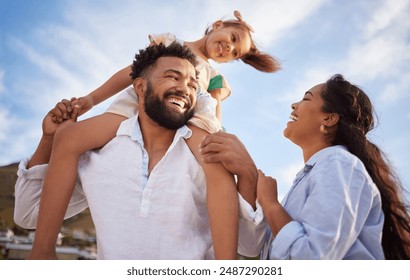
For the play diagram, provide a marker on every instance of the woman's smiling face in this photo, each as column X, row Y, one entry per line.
column 306, row 117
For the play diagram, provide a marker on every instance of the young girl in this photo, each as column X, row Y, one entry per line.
column 225, row 41
column 346, row 203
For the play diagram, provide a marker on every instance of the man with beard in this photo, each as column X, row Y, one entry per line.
column 145, row 189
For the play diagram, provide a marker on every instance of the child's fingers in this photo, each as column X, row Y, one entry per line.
column 75, row 113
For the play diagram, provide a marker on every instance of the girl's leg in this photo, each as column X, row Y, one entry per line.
column 222, row 201
column 70, row 141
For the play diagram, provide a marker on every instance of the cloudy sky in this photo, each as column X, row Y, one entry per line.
column 50, row 50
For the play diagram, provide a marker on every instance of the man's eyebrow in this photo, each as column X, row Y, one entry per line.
column 179, row 73
column 173, row 71
column 308, row 92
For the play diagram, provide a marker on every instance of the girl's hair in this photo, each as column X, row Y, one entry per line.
column 257, row 59
column 355, row 120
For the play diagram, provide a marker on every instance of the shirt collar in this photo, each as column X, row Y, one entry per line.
column 323, row 153
column 132, row 128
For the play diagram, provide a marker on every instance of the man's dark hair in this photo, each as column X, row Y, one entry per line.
column 146, row 58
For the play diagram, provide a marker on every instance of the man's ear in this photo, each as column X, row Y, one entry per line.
column 217, row 24
column 331, row 119
column 140, row 85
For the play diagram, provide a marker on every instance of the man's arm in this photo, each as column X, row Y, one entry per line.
column 31, row 172
column 51, row 122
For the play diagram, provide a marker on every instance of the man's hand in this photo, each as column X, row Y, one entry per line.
column 229, row 151
column 63, row 111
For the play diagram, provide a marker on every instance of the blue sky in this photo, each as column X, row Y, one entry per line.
column 50, row 50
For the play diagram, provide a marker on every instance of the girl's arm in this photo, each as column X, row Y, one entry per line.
column 218, row 95
column 112, row 86
column 228, row 150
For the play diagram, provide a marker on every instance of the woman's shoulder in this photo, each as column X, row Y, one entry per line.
column 337, row 155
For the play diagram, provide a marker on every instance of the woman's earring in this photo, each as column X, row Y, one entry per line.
column 323, row 129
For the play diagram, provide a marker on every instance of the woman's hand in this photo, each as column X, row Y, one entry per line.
column 267, row 190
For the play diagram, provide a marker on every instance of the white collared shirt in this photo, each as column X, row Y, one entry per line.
column 336, row 212
column 136, row 216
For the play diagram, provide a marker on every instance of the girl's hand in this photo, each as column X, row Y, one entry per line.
column 85, row 103
column 267, row 190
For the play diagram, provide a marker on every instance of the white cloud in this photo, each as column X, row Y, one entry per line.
column 379, row 57
column 395, row 91
column 386, row 14
column 383, row 50
column 273, row 19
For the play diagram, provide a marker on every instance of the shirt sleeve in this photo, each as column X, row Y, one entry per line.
column 252, row 229
column 126, row 103
column 332, row 216
column 217, row 81
column 27, row 196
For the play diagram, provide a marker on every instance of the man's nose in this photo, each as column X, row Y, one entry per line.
column 182, row 88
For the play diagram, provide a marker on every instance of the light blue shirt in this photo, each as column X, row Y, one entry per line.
column 336, row 212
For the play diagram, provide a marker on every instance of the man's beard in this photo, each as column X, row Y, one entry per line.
column 159, row 112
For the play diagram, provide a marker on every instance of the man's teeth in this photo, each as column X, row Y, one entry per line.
column 293, row 117
column 178, row 102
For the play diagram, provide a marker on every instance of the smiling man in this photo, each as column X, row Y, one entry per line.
column 146, row 189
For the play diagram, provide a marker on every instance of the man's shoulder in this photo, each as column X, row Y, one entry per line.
column 129, row 127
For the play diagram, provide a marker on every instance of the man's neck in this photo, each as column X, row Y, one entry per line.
column 157, row 139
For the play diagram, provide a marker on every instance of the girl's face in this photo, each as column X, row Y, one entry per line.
column 304, row 127
column 226, row 43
